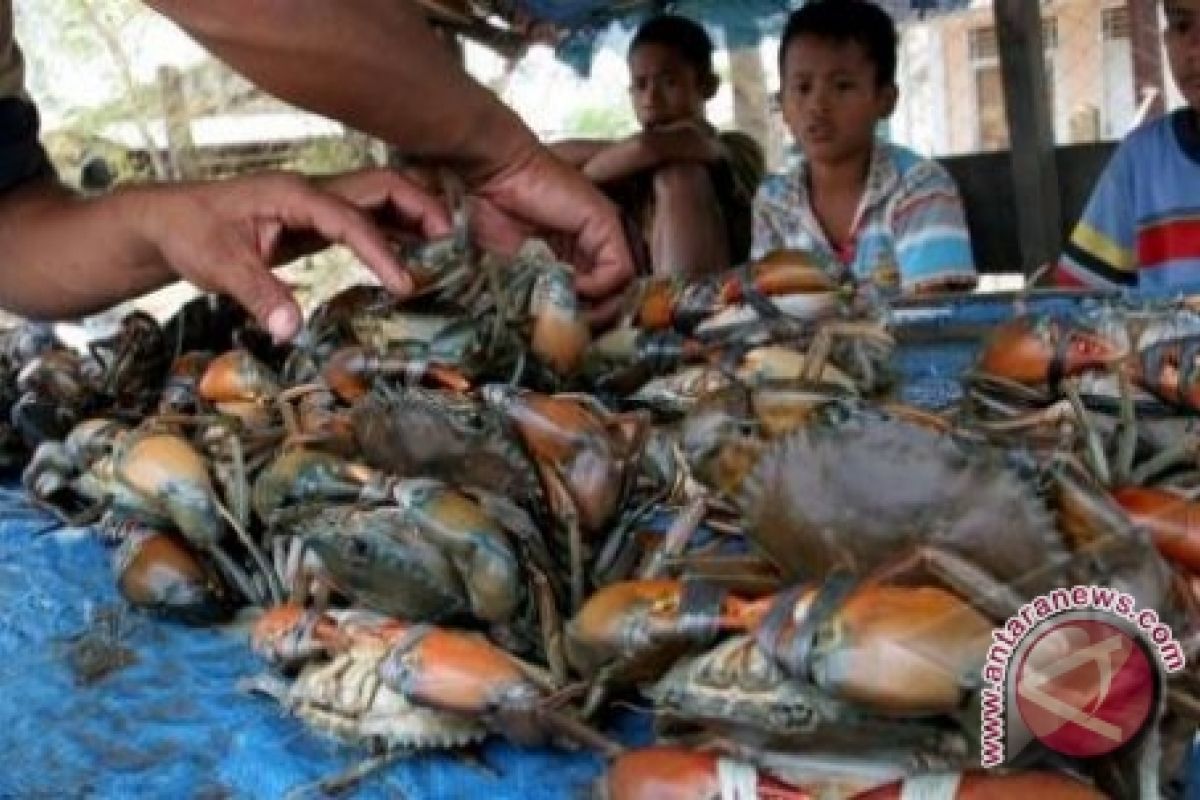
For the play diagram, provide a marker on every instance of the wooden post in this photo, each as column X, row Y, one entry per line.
column 178, row 123
column 1145, row 39
column 1031, row 131
column 751, row 105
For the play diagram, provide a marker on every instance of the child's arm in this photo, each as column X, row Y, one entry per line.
column 649, row 149
column 578, row 152
column 929, row 225
column 1101, row 253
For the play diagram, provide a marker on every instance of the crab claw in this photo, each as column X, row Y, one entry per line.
column 288, row 634
column 1034, row 352
column 671, row 772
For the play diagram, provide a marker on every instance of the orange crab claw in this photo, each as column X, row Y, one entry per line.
column 649, row 614
column 1173, row 522
column 902, row 649
column 350, row 370
column 453, row 671
column 1033, row 351
column 781, row 272
column 670, row 773
column 238, row 377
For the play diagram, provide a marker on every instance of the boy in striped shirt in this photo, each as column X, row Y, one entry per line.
column 1141, row 227
column 884, row 214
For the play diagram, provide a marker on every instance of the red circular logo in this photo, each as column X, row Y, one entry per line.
column 1085, row 688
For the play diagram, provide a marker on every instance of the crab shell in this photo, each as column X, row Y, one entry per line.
column 858, row 493
column 382, row 562
column 415, row 432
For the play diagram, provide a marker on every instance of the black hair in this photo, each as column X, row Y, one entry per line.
column 682, row 34
column 858, row 21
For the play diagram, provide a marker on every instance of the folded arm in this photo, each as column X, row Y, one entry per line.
column 651, row 149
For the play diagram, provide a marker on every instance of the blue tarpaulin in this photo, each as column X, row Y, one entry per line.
column 732, row 24
column 173, row 724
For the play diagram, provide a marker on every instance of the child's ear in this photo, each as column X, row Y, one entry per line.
column 709, row 85
column 888, row 97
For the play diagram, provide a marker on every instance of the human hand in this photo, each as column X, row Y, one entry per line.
column 540, row 195
column 226, row 236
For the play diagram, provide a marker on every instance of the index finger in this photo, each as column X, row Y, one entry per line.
column 336, row 220
column 413, row 204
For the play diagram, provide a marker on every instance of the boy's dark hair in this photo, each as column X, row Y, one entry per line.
column 682, row 34
column 858, row 21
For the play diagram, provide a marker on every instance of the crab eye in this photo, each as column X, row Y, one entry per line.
column 357, row 549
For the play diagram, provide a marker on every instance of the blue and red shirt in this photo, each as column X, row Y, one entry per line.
column 1141, row 227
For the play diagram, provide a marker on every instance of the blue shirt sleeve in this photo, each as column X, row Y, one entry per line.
column 933, row 247
column 1100, row 253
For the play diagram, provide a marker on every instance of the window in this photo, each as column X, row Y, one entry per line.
column 1116, row 23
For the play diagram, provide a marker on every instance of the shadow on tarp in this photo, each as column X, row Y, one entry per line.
column 173, row 724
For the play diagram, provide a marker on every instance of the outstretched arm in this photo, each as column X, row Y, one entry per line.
column 66, row 256
column 374, row 64
column 377, row 66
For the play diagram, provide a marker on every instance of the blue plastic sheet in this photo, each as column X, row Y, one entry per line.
column 732, row 24
column 174, row 724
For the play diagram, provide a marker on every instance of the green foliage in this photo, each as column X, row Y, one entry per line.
column 325, row 156
column 601, row 122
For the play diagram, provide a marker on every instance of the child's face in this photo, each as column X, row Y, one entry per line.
column 831, row 100
column 1183, row 47
column 664, row 87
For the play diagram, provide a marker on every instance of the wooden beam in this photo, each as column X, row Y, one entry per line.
column 1145, row 39
column 1031, row 131
column 751, row 102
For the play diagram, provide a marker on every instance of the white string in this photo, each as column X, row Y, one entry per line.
column 930, row 787
column 737, row 779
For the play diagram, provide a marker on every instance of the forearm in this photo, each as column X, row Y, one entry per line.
column 65, row 256
column 373, row 64
column 577, row 152
column 649, row 150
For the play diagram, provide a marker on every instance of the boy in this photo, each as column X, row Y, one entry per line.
column 686, row 189
column 1141, row 227
column 892, row 220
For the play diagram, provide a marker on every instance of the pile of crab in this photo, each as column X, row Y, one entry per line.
column 465, row 515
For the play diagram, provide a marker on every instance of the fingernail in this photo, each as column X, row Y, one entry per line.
column 281, row 324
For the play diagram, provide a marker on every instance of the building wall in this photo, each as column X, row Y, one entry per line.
column 1085, row 75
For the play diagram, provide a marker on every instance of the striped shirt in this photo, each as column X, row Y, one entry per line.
column 1141, row 227
column 909, row 233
